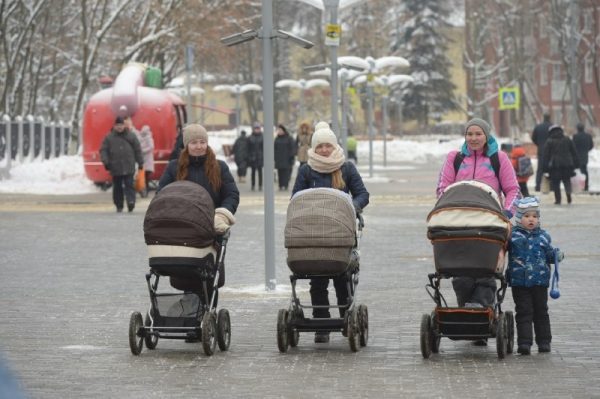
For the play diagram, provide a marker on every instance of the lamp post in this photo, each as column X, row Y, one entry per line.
column 266, row 34
column 303, row 85
column 238, row 90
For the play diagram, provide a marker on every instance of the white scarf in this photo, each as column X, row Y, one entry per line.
column 326, row 164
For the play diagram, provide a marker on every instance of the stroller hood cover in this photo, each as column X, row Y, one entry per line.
column 182, row 214
column 468, row 208
column 320, row 217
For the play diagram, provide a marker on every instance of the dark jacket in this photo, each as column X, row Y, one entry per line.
column 530, row 256
column 560, row 156
column 285, row 151
column 540, row 135
column 177, row 147
column 310, row 178
column 255, row 150
column 120, row 152
column 240, row 151
column 227, row 197
column 583, row 144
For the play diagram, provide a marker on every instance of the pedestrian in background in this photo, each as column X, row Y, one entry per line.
column 147, row 145
column 303, row 142
column 528, row 275
column 285, row 153
column 240, row 156
column 120, row 151
column 539, row 136
column 255, row 156
column 583, row 144
column 351, row 145
column 560, row 162
column 517, row 153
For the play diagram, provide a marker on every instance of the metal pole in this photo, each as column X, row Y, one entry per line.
column 62, row 138
column 333, row 19
column 19, row 120
column 8, row 149
column 370, row 121
column 237, row 111
column 42, row 139
column 268, row 150
column 385, row 128
column 400, row 117
column 573, row 45
column 344, row 76
column 52, row 140
column 31, row 152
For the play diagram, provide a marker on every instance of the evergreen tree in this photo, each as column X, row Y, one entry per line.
column 420, row 38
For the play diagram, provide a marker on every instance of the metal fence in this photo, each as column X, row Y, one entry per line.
column 31, row 138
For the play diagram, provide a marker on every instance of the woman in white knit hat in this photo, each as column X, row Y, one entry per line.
column 327, row 167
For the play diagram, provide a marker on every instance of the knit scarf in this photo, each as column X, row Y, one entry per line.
column 326, row 164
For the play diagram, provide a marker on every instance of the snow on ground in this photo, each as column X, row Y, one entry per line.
column 65, row 175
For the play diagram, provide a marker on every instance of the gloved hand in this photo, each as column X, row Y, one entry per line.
column 507, row 213
column 560, row 255
column 223, row 220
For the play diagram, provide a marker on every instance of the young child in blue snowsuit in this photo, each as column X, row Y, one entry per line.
column 528, row 275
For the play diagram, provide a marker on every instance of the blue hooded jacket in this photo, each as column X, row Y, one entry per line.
column 530, row 256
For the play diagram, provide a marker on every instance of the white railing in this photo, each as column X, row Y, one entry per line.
column 30, row 139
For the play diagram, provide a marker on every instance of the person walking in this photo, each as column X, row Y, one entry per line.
column 583, row 144
column 327, row 167
column 303, row 142
column 240, row 156
column 147, row 145
column 285, row 153
column 516, row 153
column 119, row 152
column 255, row 156
column 560, row 162
column 539, row 137
column 528, row 275
column 479, row 159
column 351, row 145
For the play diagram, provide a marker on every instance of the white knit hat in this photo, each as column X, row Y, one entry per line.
column 321, row 125
column 323, row 135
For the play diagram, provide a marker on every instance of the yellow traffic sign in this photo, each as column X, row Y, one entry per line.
column 332, row 34
column 509, row 98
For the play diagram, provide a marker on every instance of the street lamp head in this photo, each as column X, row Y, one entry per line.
column 297, row 40
column 238, row 38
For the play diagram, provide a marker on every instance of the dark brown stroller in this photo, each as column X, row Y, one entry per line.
column 322, row 236
column 183, row 245
column 469, row 234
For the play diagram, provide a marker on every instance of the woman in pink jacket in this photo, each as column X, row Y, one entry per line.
column 479, row 159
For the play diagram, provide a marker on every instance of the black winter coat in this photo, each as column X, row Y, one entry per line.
column 120, row 152
column 285, row 151
column 560, row 156
column 540, row 135
column 255, row 150
column 583, row 144
column 227, row 197
column 310, row 178
column 240, row 151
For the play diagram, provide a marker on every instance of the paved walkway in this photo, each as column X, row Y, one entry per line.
column 73, row 271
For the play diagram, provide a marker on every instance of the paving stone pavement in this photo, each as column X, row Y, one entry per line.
column 73, row 271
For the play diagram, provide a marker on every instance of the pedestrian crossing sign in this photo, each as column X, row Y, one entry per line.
column 509, row 98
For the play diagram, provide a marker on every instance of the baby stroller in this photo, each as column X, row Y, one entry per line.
column 469, row 234
column 182, row 245
column 322, row 236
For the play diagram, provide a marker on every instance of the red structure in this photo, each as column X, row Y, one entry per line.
column 162, row 111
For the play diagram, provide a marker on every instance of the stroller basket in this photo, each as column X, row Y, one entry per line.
column 461, row 323
column 177, row 310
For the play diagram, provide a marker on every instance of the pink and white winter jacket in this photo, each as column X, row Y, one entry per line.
column 477, row 166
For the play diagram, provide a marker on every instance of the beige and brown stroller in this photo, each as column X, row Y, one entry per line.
column 322, row 236
column 469, row 234
column 183, row 246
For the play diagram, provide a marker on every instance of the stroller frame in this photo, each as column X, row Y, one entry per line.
column 466, row 323
column 354, row 324
column 206, row 325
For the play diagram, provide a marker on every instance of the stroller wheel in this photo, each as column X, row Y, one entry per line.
column 223, row 330
column 209, row 329
column 363, row 322
column 434, row 338
column 353, row 330
column 426, row 336
column 282, row 333
column 293, row 334
column 510, row 330
column 135, row 340
column 501, row 336
column 150, row 340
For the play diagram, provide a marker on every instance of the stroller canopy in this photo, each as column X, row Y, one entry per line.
column 320, row 217
column 182, row 214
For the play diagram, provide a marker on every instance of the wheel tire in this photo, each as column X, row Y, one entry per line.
column 209, row 333
column 135, row 341
column 501, row 336
column 426, row 336
column 293, row 334
column 353, row 330
column 150, row 340
column 223, row 330
column 282, row 333
column 510, row 323
column 434, row 338
column 363, row 322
